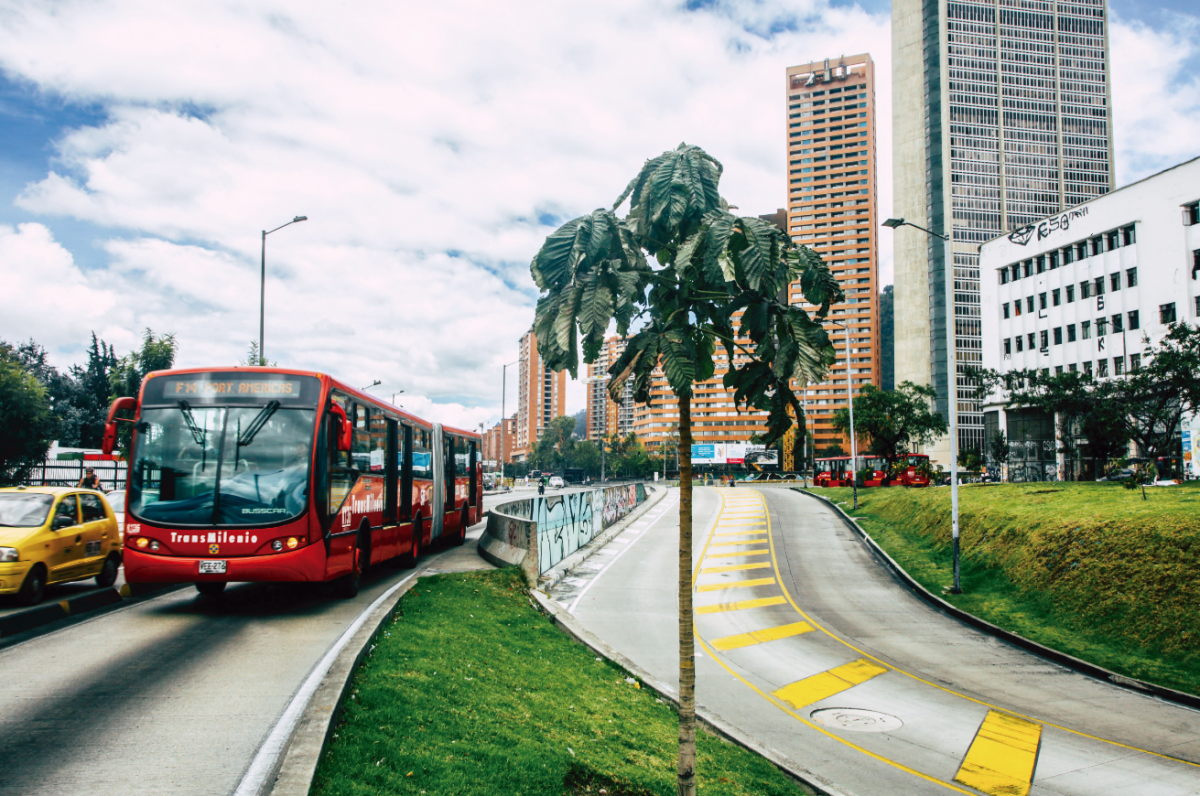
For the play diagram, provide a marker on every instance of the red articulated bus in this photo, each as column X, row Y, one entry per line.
column 267, row 474
column 836, row 471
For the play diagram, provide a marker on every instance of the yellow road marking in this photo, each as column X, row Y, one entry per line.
column 759, row 636
column 745, row 532
column 739, row 553
column 736, row 584
column 735, row 567
column 749, row 540
column 1002, row 756
column 740, row 605
column 821, row 686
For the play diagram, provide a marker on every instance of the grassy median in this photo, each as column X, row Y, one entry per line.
column 473, row 691
column 1089, row 569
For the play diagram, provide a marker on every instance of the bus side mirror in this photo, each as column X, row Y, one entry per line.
column 110, row 424
column 345, row 432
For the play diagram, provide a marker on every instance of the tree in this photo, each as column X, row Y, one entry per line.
column 833, row 449
column 26, row 424
column 555, row 444
column 253, row 358
column 97, row 389
column 157, row 353
column 998, row 447
column 719, row 278
column 893, row 422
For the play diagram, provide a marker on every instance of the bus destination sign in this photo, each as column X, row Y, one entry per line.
column 231, row 388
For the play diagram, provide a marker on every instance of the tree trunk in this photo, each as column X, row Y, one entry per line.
column 687, row 649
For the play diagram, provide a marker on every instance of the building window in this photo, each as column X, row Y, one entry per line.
column 1087, row 367
column 1016, row 308
column 1085, row 290
column 1058, row 335
column 1073, row 367
column 1070, row 294
column 1198, row 306
column 1004, row 276
column 1068, row 255
column 1134, row 322
column 1027, row 267
column 1045, row 340
column 1058, row 370
column 1032, row 339
column 1020, row 344
column 1056, row 296
column 1097, row 244
column 1041, row 263
column 1128, row 236
column 1041, row 301
column 1099, row 283
column 1102, row 367
column 1191, row 214
column 1070, row 332
column 1085, row 330
column 1118, row 323
column 1166, row 313
column 1016, row 272
column 1118, row 366
column 1053, row 260
column 1007, row 346
column 1114, row 241
column 1005, row 306
column 1101, row 327
column 1135, row 362
column 1131, row 277
column 1114, row 281
column 1029, row 303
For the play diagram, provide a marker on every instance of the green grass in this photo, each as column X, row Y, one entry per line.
column 1089, row 569
column 472, row 691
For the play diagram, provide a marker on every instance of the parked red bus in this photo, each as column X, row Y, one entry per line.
column 266, row 474
column 836, row 471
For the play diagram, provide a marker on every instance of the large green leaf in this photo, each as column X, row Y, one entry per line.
column 671, row 195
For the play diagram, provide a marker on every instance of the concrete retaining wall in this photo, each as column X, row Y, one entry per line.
column 538, row 532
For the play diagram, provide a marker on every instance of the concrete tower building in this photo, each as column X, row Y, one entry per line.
column 833, row 209
column 1002, row 116
column 541, row 396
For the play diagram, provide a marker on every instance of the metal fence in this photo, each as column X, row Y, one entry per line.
column 68, row 473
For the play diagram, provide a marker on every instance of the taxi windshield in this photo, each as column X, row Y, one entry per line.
column 221, row 465
column 24, row 509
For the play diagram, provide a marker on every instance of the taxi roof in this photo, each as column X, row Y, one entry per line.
column 48, row 490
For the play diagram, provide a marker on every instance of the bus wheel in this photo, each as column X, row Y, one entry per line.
column 347, row 585
column 211, row 588
column 409, row 559
column 464, row 520
column 108, row 573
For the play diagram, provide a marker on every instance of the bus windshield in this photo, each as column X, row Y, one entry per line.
column 221, row 465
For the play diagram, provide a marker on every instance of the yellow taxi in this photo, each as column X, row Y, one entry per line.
column 54, row 534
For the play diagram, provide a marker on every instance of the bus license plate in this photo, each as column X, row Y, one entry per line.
column 213, row 567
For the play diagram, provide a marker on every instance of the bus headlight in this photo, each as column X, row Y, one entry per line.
column 276, row 545
column 141, row 542
column 292, row 543
column 8, row 554
column 154, row 544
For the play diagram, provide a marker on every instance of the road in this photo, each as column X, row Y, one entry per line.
column 812, row 647
column 173, row 694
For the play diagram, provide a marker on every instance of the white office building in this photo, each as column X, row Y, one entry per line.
column 1080, row 290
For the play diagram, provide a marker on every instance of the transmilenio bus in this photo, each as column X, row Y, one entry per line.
column 265, row 474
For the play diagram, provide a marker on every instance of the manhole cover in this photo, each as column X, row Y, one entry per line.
column 856, row 720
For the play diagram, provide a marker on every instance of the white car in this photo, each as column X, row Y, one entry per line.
column 557, row 482
column 116, row 500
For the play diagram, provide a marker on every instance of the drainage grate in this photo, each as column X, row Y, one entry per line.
column 856, row 720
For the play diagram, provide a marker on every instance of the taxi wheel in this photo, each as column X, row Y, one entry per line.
column 211, row 588
column 34, row 588
column 108, row 573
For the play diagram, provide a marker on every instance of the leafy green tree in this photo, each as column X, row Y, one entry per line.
column 715, row 278
column 253, row 358
column 998, row 447
column 586, row 456
column 833, row 449
column 125, row 378
column 97, row 391
column 27, row 425
column 893, row 422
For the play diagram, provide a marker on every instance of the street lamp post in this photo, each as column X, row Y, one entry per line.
column 397, row 392
column 951, row 384
column 375, row 383
column 262, row 293
column 503, row 416
column 850, row 399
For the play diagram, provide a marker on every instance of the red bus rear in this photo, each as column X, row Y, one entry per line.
column 836, row 471
column 267, row 474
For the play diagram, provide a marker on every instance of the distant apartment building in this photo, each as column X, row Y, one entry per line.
column 541, row 396
column 498, row 442
column 833, row 210
column 606, row 417
column 1002, row 116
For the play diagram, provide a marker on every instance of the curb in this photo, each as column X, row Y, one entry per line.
column 717, row 726
column 1049, row 653
column 40, row 615
column 298, row 765
column 550, row 578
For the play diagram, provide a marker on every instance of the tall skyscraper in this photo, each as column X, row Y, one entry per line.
column 606, row 417
column 541, row 396
column 1001, row 116
column 833, row 209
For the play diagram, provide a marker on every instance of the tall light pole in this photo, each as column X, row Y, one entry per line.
column 503, row 415
column 397, row 392
column 262, row 293
column 375, row 383
column 951, row 383
column 850, row 399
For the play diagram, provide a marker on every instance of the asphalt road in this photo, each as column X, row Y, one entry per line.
column 812, row 647
column 173, row 694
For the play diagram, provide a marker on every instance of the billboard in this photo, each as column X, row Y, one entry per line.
column 735, row 453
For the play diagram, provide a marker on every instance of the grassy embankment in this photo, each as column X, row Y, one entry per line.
column 472, row 691
column 1091, row 570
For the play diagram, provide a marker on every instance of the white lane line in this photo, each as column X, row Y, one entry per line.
column 592, row 582
column 264, row 763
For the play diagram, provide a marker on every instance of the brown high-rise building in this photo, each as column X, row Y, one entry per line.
column 541, row 397
column 833, row 210
column 606, row 417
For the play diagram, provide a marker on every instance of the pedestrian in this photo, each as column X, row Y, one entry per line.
column 90, row 480
column 542, row 485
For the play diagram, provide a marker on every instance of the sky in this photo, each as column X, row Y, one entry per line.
column 145, row 146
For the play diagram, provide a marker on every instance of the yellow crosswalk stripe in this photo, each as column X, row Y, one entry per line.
column 824, row 685
column 737, row 584
column 738, row 553
column 734, row 567
column 759, row 636
column 740, row 605
column 1002, row 756
column 749, row 540
column 743, row 532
